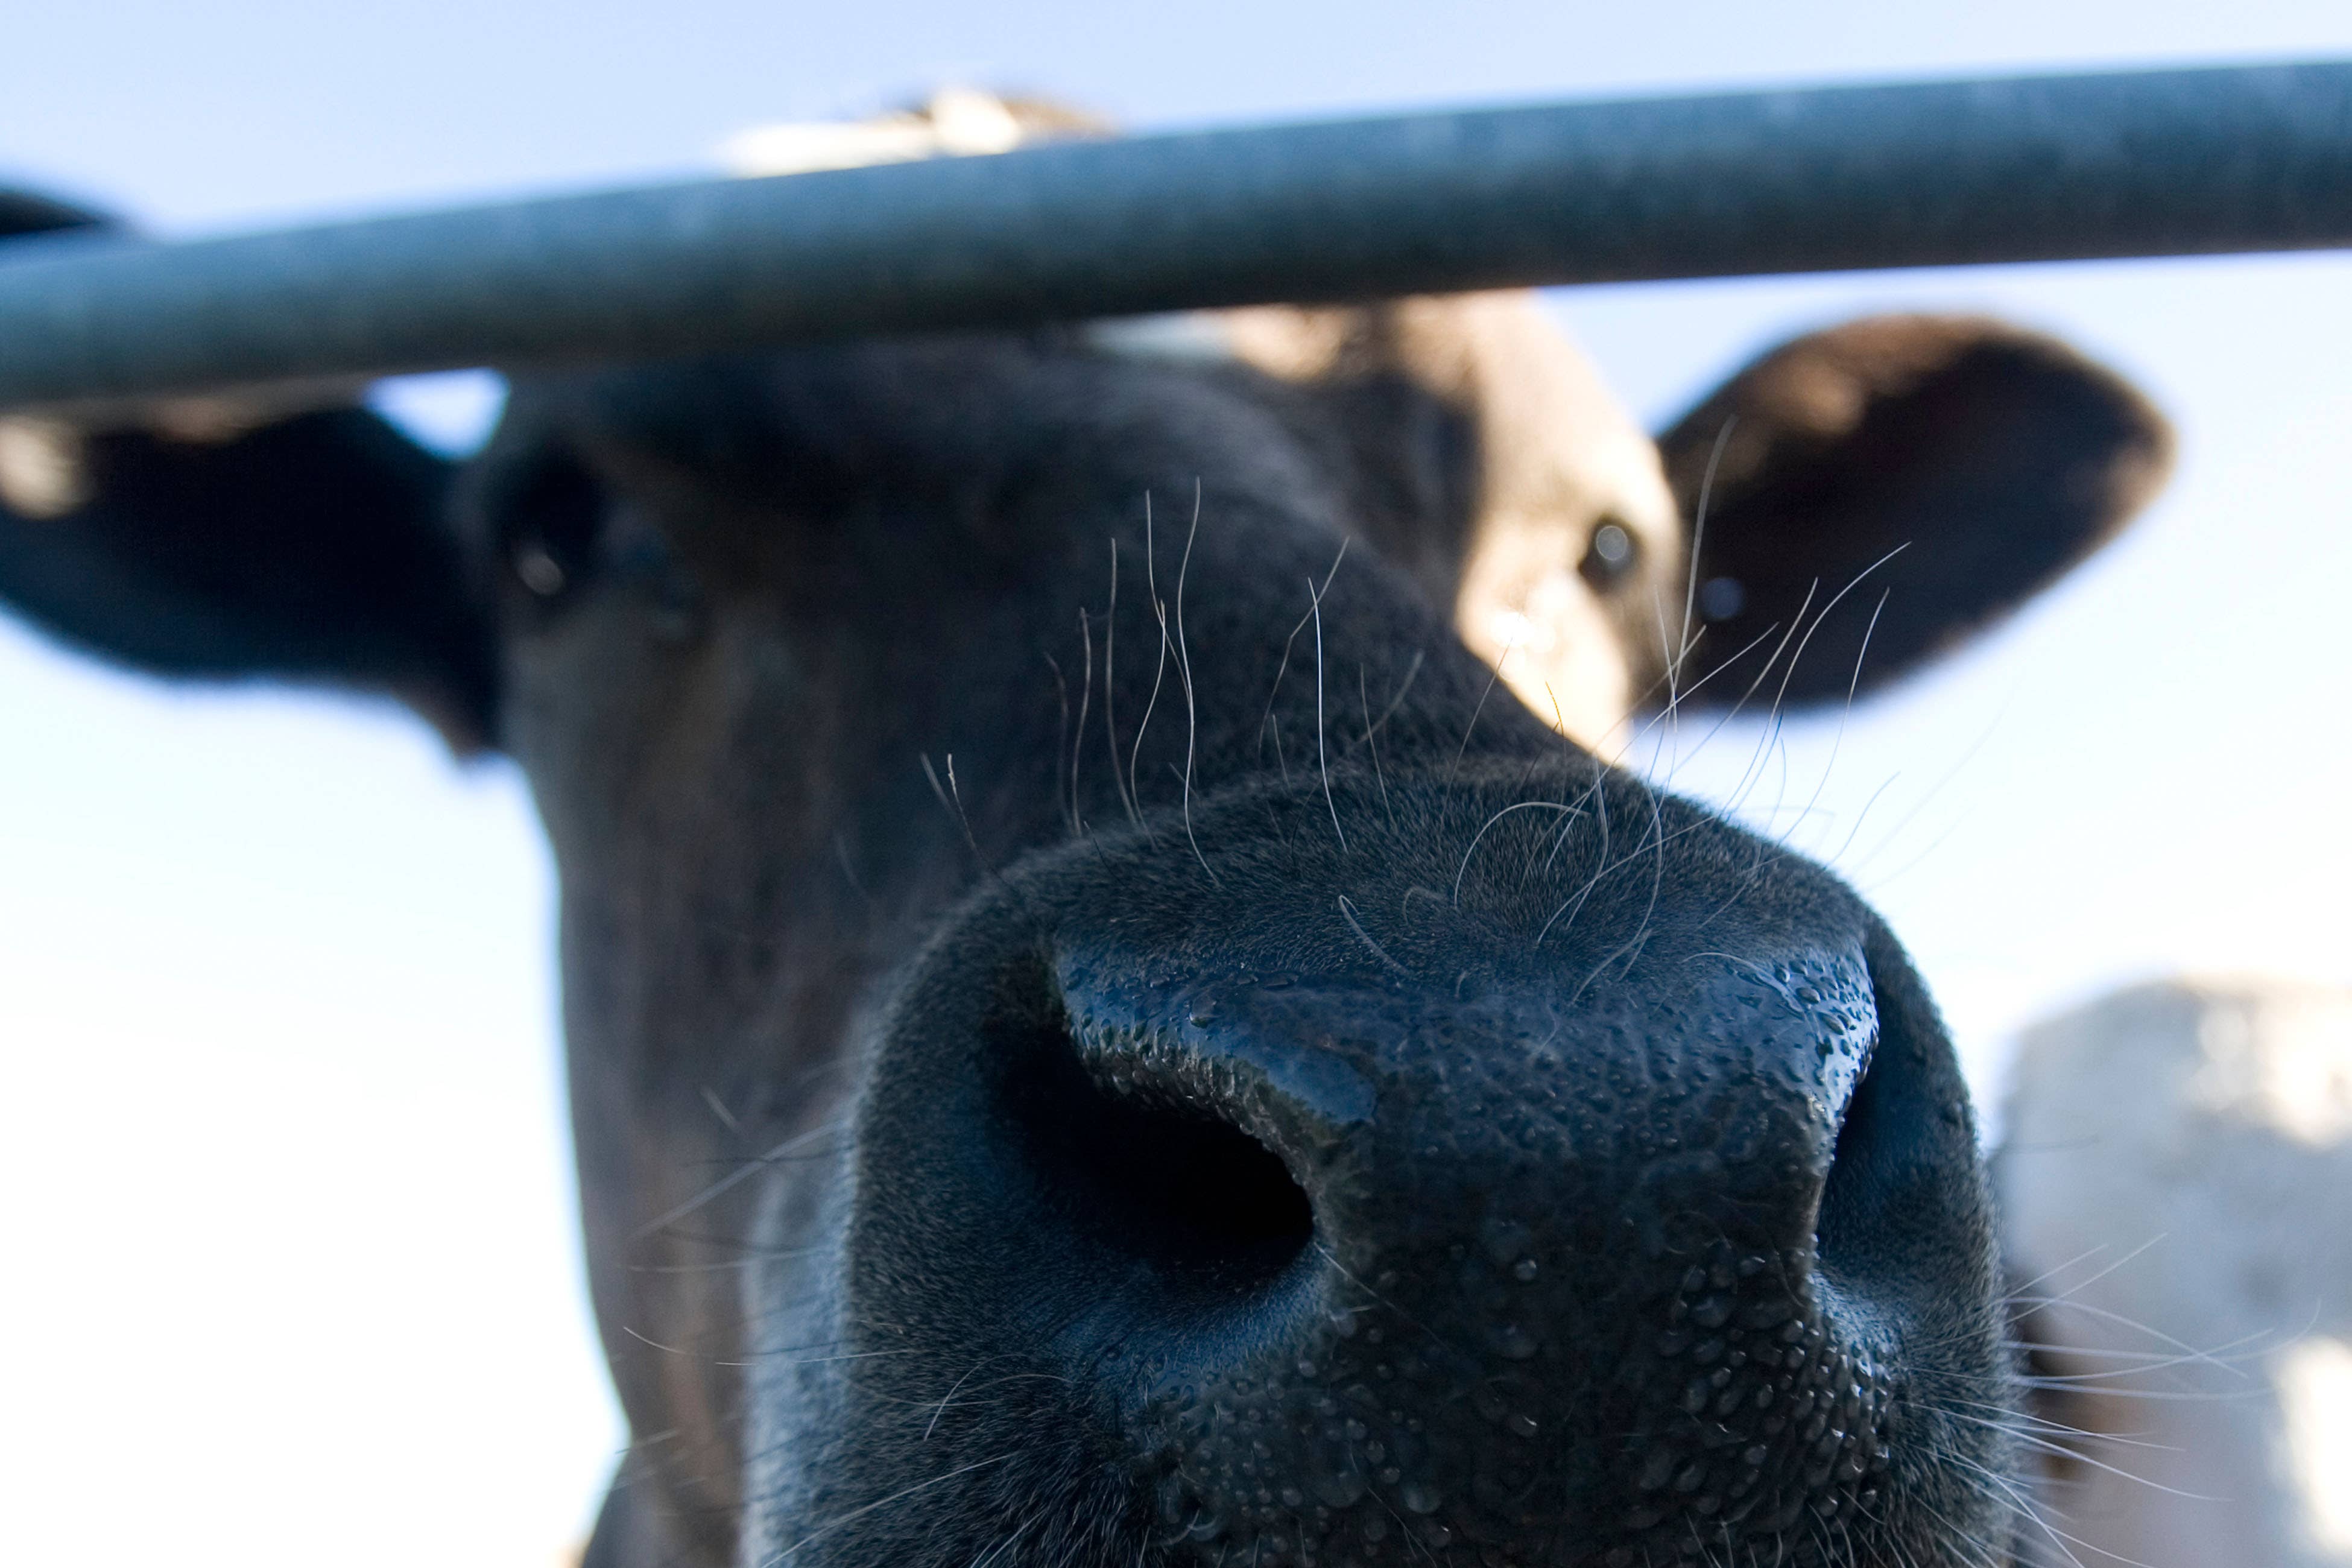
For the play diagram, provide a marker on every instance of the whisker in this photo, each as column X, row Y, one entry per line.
column 1463, row 869
column 1321, row 761
column 1698, row 538
column 1348, row 913
column 1282, row 668
column 729, row 1182
column 1110, row 691
column 1184, row 671
column 1412, row 673
column 1086, row 696
column 1845, row 712
column 1160, row 666
column 900, row 1496
column 1484, row 692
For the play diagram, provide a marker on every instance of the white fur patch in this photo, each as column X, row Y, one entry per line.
column 955, row 122
column 42, row 471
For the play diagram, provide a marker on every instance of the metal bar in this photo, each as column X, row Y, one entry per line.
column 1925, row 175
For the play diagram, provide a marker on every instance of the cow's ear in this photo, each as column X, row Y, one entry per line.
column 311, row 548
column 1949, row 465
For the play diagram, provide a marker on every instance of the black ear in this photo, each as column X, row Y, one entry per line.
column 313, row 548
column 1992, row 458
column 22, row 212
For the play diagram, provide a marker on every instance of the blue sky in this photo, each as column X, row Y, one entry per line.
column 280, row 1145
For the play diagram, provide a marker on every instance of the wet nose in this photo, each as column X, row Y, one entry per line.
column 1341, row 1263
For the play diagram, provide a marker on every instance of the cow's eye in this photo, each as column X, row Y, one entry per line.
column 549, row 523
column 1610, row 554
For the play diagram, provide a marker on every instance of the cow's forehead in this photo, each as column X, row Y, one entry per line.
column 975, row 401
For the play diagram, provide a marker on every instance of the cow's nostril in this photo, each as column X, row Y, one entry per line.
column 1858, row 1125
column 1143, row 1170
column 1900, row 1131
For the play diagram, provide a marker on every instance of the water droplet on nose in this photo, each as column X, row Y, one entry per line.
column 1419, row 1497
column 1504, row 1241
column 1521, row 1425
column 1337, row 1488
column 1524, row 1270
column 1511, row 1341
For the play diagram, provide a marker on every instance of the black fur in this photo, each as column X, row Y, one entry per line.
column 314, row 548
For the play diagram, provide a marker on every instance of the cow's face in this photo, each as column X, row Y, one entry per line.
column 1564, row 561
column 1099, row 1033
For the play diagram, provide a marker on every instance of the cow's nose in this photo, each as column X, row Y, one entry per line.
column 1344, row 1264
column 1228, row 1133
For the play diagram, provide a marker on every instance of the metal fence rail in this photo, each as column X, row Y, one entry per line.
column 2012, row 170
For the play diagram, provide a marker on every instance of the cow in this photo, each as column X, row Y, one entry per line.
column 2172, row 1185
column 1100, row 1029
